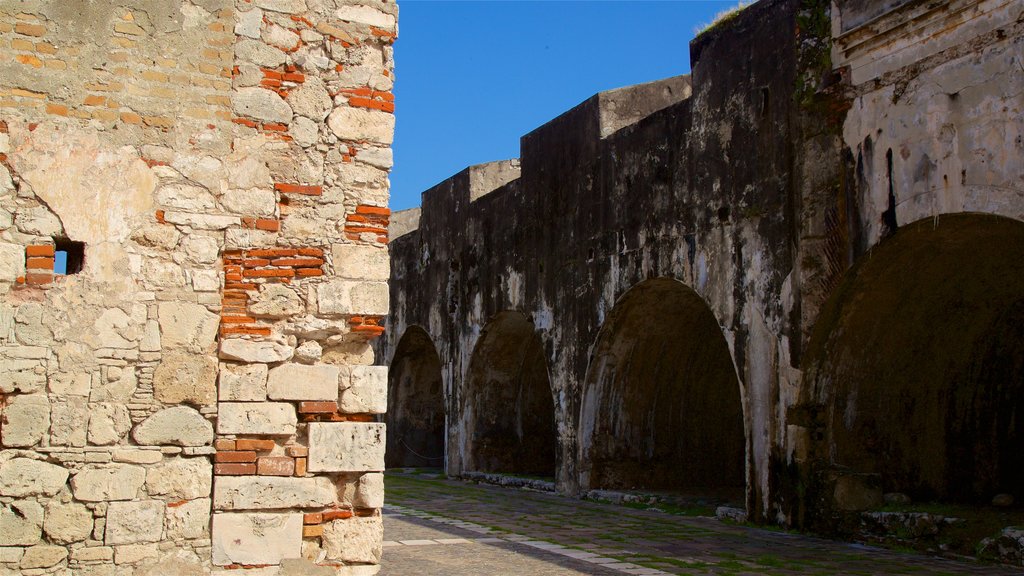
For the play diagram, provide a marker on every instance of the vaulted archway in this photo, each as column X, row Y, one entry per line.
column 661, row 402
column 917, row 361
column 508, row 411
column 415, row 418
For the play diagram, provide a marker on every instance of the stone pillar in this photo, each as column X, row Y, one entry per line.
column 300, row 456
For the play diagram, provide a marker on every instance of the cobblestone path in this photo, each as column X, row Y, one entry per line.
column 435, row 526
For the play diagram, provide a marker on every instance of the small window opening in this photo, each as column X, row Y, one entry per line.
column 69, row 256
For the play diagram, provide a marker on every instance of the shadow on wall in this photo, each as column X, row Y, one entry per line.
column 917, row 362
column 416, row 424
column 508, row 411
column 661, row 406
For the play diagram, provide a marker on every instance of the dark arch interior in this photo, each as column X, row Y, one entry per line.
column 661, row 407
column 415, row 416
column 510, row 411
column 918, row 359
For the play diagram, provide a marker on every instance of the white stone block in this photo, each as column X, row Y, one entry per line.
column 67, row 523
column 272, row 492
column 189, row 520
column 12, row 262
column 360, row 262
column 367, row 391
column 369, row 15
column 359, row 124
column 255, row 350
column 355, row 539
column 243, row 382
column 133, row 522
column 179, row 426
column 21, row 523
column 303, row 382
column 186, row 377
column 346, row 446
column 181, row 479
column 187, row 326
column 277, row 418
column 26, row 477
column 26, row 420
column 111, row 482
column 369, row 491
column 256, row 538
column 353, row 297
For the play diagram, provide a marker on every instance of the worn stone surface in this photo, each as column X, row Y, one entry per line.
column 275, row 418
column 261, row 104
column 276, row 301
column 108, row 483
column 189, row 519
column 367, row 390
column 346, row 297
column 20, row 523
column 43, row 556
column 67, row 523
column 108, row 423
column 242, row 382
column 369, row 491
column 181, row 479
column 187, row 326
column 186, row 377
column 267, row 492
column 26, row 420
column 346, row 446
column 133, row 522
column 180, row 426
column 21, row 477
column 255, row 539
column 254, row 350
column 354, row 539
column 303, row 382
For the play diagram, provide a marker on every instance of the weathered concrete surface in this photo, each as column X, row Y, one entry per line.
column 758, row 186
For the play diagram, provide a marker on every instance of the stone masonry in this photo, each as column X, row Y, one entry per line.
column 196, row 393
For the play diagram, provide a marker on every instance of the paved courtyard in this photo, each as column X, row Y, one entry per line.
column 434, row 526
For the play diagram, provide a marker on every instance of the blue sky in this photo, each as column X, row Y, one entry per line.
column 473, row 76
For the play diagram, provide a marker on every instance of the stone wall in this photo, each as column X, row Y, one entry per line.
column 196, row 392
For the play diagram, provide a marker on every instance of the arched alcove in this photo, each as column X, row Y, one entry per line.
column 508, row 409
column 415, row 417
column 918, row 361
column 661, row 402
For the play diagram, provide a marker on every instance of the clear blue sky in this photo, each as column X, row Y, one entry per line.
column 474, row 76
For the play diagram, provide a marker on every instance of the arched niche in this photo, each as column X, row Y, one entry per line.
column 917, row 361
column 508, row 409
column 415, row 418
column 661, row 405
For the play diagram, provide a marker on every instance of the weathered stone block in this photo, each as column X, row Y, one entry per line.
column 187, row 326
column 271, row 492
column 179, row 426
column 367, row 391
column 181, row 479
column 43, row 556
column 350, row 297
column 186, row 377
column 26, row 477
column 255, row 350
column 369, row 15
column 189, row 520
column 67, row 523
column 68, row 421
column 12, row 261
column 256, row 538
column 261, row 104
column 110, row 482
column 243, row 382
column 21, row 523
column 358, row 124
column 369, row 491
column 132, row 522
column 311, row 100
column 359, row 262
column 276, row 301
column 346, row 447
column 108, row 423
column 276, row 418
column 354, row 539
column 303, row 382
column 26, row 420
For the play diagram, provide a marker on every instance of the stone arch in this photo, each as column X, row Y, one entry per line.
column 508, row 409
column 416, row 414
column 916, row 363
column 661, row 405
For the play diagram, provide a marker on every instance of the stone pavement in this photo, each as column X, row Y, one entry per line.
column 434, row 526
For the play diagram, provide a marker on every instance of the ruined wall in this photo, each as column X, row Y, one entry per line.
column 199, row 394
column 758, row 185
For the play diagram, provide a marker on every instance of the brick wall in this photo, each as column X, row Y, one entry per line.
column 200, row 396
